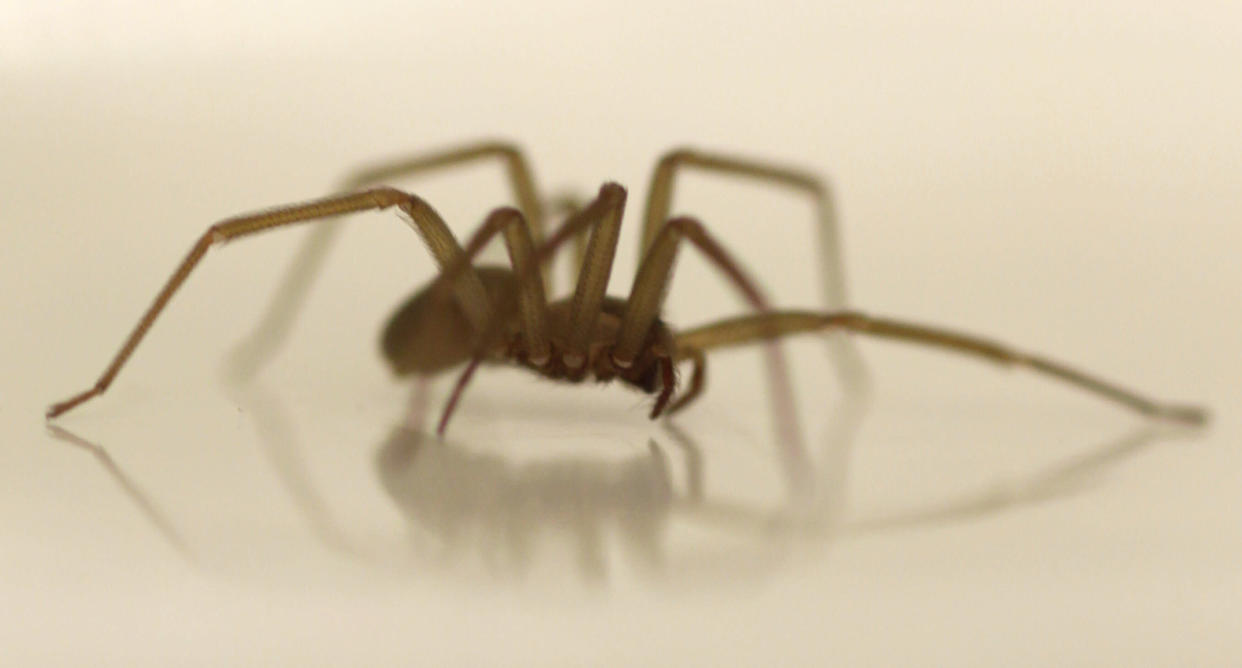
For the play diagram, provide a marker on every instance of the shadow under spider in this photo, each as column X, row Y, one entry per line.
column 503, row 512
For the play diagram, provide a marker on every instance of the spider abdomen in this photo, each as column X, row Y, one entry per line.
column 429, row 334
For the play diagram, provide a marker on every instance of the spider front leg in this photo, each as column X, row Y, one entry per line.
column 768, row 326
column 654, row 274
column 647, row 300
column 698, row 378
column 469, row 289
column 651, row 288
column 842, row 352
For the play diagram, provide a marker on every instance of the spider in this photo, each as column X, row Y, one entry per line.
column 470, row 314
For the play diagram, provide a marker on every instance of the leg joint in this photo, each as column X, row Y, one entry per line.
column 677, row 156
column 504, row 148
column 503, row 216
column 386, row 196
column 687, row 226
column 612, row 195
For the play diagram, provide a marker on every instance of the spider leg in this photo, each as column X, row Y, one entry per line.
column 595, row 270
column 647, row 299
column 771, row 325
column 668, row 383
column 602, row 216
column 532, row 303
column 654, row 274
column 845, row 354
column 257, row 348
column 517, row 169
column 663, row 181
column 426, row 221
column 458, row 389
column 698, row 378
column 605, row 211
column 842, row 351
column 564, row 205
column 581, row 219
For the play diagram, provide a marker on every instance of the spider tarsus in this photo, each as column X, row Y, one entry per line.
column 59, row 408
column 1190, row 416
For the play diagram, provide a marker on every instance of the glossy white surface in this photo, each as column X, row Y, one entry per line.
column 1065, row 180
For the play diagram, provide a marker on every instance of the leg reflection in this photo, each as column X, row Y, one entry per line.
column 1059, row 479
column 145, row 505
column 1063, row 477
column 283, row 450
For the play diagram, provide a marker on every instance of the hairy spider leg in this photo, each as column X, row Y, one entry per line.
column 439, row 240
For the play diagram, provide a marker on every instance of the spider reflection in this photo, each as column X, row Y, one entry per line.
column 466, row 505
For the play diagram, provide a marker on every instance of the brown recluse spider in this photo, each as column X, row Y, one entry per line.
column 470, row 314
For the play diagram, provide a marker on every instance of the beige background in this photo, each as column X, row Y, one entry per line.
column 1062, row 177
